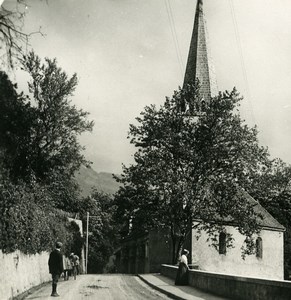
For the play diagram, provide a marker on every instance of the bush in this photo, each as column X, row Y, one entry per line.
column 29, row 224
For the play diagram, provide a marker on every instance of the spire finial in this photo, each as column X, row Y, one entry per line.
column 199, row 65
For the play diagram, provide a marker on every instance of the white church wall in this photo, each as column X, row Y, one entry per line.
column 270, row 266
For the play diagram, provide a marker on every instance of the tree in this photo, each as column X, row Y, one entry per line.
column 39, row 133
column 192, row 160
column 15, row 126
column 103, row 231
column 54, row 123
column 272, row 188
column 12, row 37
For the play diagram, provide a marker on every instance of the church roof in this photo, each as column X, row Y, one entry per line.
column 267, row 221
column 199, row 64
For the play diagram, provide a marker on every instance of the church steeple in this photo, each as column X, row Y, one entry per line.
column 199, row 63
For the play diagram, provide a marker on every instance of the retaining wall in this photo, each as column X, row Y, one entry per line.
column 20, row 272
column 235, row 287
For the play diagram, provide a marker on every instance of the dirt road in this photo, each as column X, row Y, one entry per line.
column 105, row 287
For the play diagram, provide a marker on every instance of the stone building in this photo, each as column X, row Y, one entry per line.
column 146, row 252
column 269, row 259
column 268, row 262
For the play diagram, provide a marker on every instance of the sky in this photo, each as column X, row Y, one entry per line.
column 125, row 55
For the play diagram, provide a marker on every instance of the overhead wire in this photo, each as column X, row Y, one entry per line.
column 174, row 35
column 238, row 41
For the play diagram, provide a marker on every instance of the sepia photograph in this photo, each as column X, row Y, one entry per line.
column 145, row 149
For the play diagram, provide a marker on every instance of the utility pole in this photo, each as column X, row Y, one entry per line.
column 87, row 234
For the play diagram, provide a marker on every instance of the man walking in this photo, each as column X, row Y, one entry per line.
column 56, row 267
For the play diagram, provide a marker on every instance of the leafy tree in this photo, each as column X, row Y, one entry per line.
column 15, row 125
column 57, row 123
column 39, row 133
column 39, row 154
column 191, row 161
column 42, row 132
column 272, row 188
column 103, row 232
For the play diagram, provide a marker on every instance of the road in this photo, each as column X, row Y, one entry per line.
column 105, row 287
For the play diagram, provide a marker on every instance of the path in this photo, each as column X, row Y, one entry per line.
column 105, row 287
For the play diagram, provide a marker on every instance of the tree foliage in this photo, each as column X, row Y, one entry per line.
column 57, row 123
column 191, row 162
column 103, row 230
column 39, row 155
column 15, row 126
column 29, row 224
column 272, row 188
column 39, row 132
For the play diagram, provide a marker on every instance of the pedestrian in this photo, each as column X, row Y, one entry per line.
column 67, row 267
column 77, row 259
column 74, row 264
column 56, row 267
column 182, row 273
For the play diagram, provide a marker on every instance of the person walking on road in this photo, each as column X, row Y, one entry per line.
column 67, row 267
column 73, row 259
column 56, row 267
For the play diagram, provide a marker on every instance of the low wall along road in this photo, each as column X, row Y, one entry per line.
column 234, row 287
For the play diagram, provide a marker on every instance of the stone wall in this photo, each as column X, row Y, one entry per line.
column 234, row 287
column 20, row 272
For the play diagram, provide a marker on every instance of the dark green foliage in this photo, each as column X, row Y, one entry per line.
column 191, row 164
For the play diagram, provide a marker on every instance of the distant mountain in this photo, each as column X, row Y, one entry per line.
column 89, row 179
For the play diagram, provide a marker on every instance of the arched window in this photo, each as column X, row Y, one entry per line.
column 259, row 247
column 222, row 243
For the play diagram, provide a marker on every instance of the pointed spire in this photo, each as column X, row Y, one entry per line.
column 199, row 63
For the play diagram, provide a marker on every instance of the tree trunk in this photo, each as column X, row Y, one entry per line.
column 173, row 238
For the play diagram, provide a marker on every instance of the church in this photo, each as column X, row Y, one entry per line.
column 146, row 252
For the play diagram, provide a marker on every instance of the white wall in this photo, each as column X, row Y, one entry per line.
column 20, row 272
column 270, row 266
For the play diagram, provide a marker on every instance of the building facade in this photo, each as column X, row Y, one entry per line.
column 145, row 253
column 267, row 261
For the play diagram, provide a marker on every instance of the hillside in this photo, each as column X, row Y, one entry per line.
column 89, row 179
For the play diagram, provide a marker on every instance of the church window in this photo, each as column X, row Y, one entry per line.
column 222, row 243
column 259, row 247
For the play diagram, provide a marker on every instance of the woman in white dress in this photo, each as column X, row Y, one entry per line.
column 182, row 274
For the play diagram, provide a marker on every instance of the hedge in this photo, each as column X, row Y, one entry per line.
column 30, row 224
